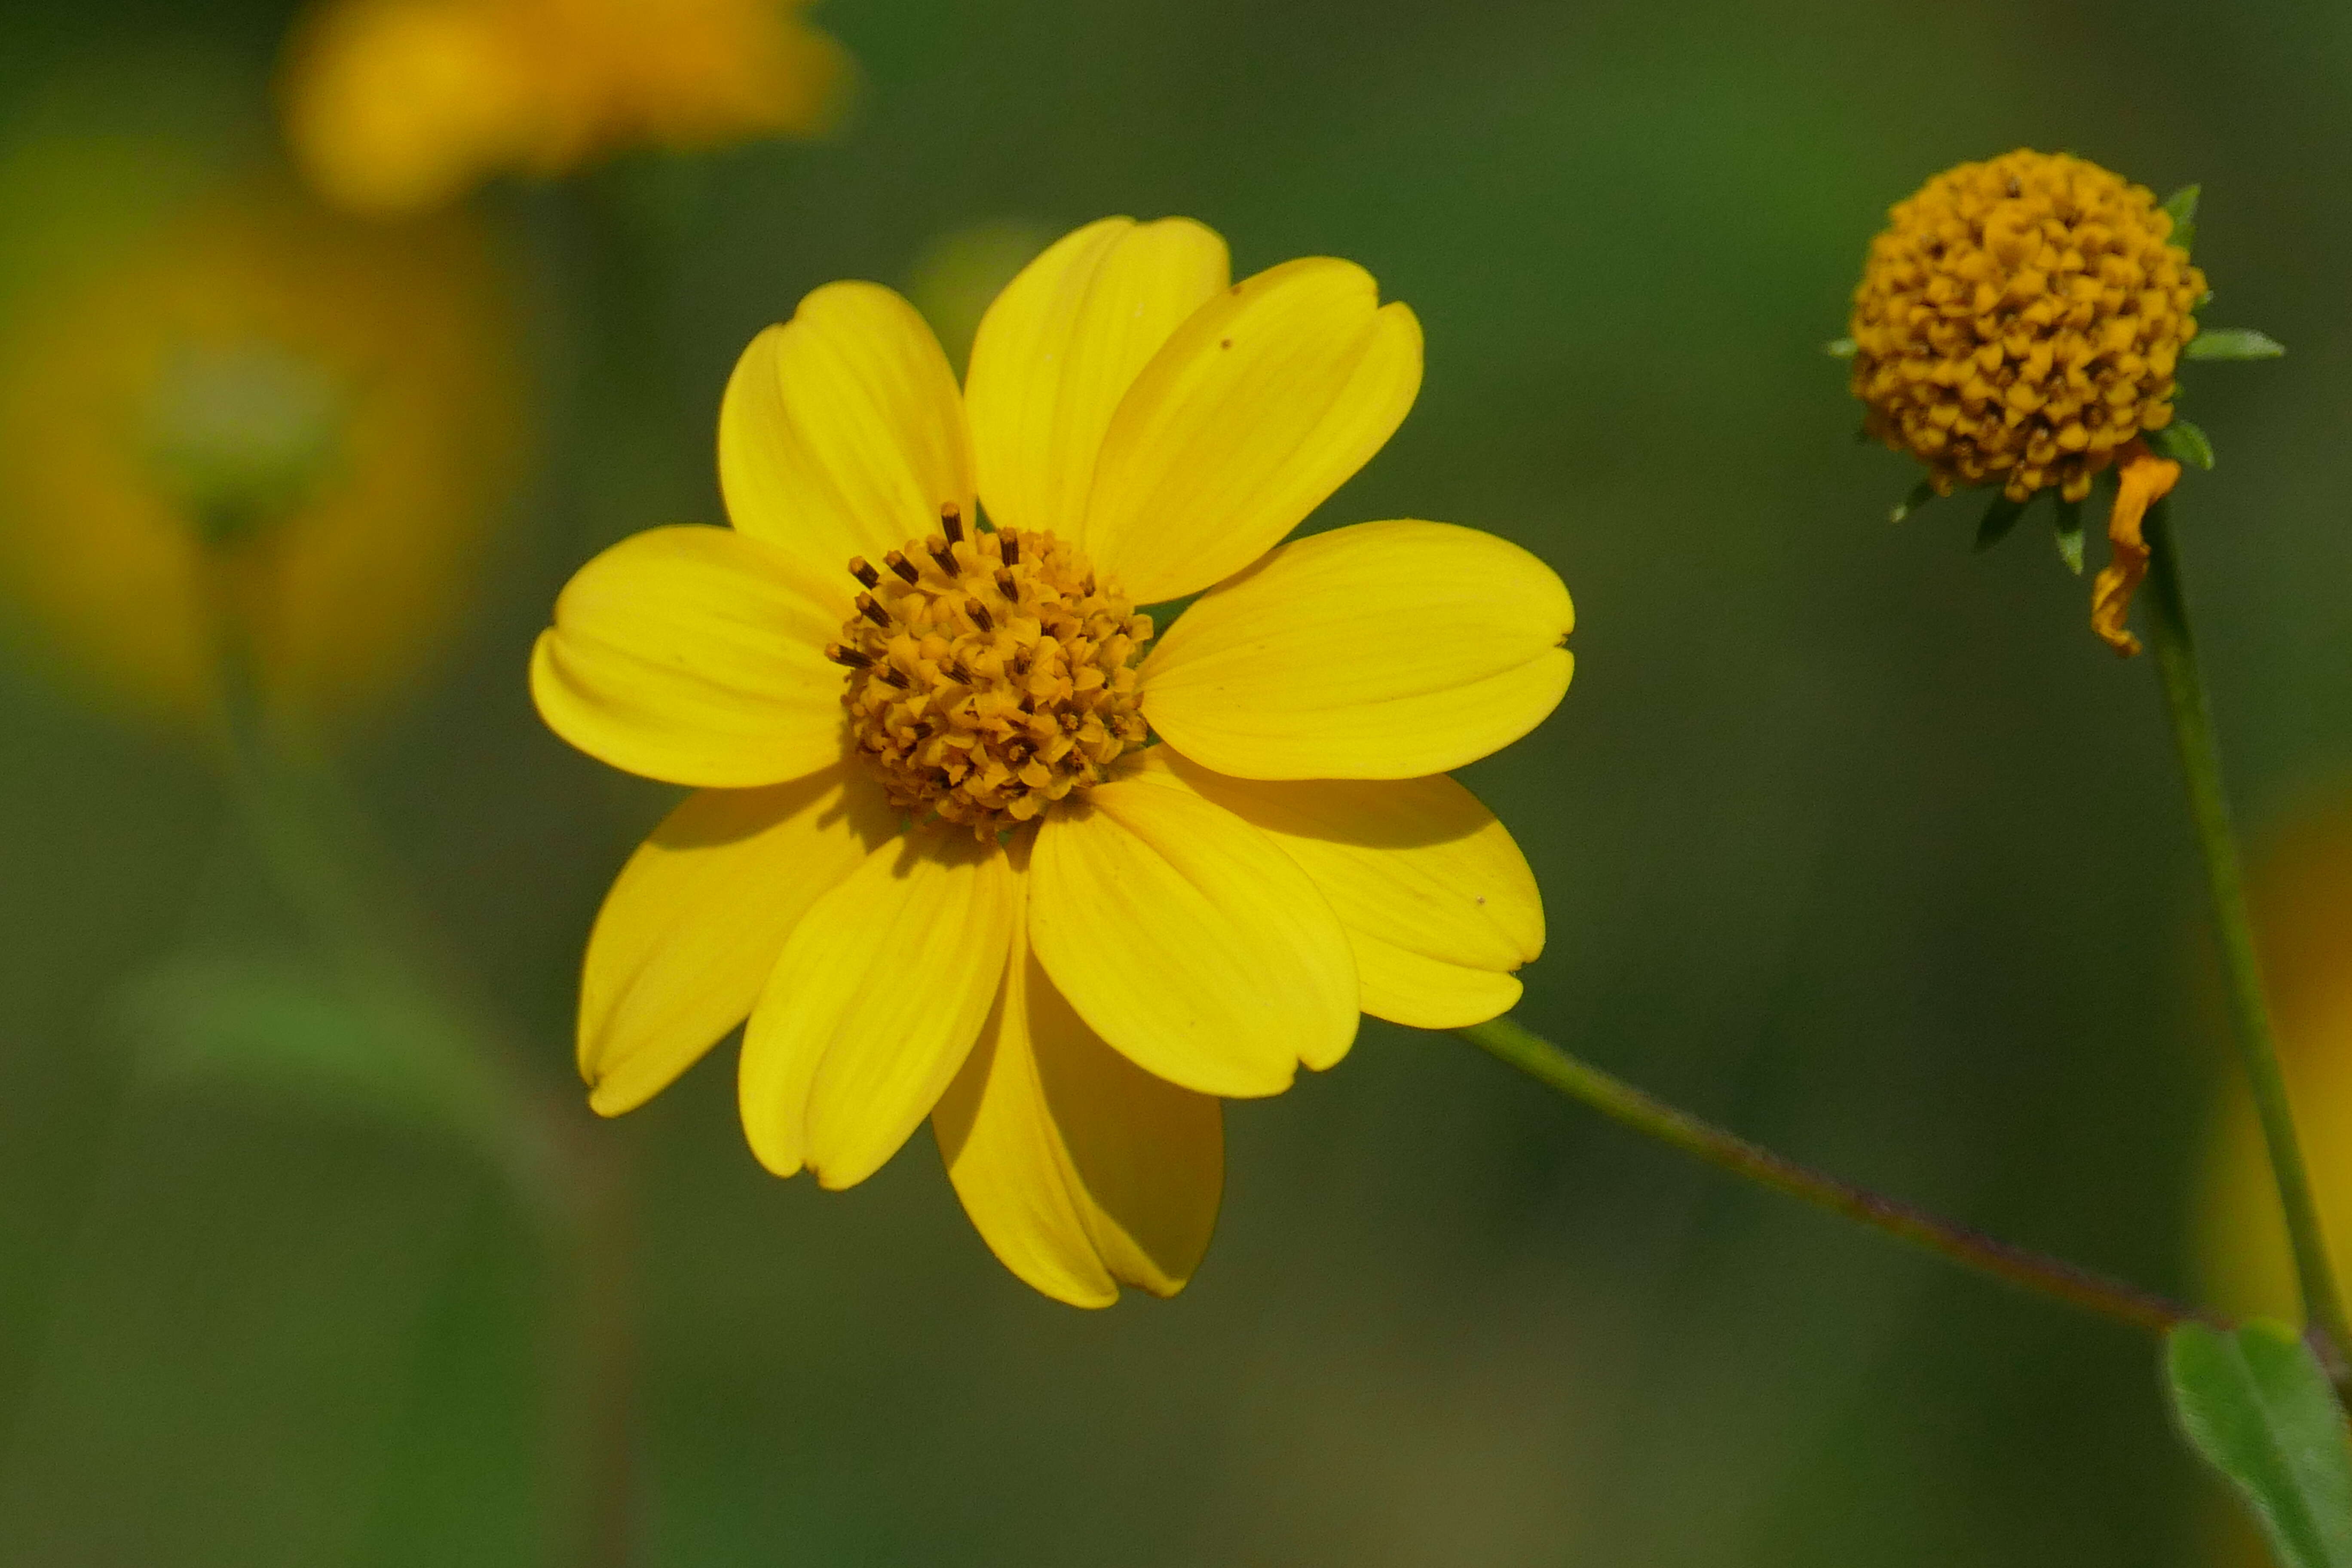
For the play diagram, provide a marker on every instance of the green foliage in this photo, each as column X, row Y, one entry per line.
column 2256, row 1406
column 1839, row 348
column 2182, row 206
column 2183, row 442
column 2233, row 342
column 1921, row 494
column 1999, row 518
column 2069, row 528
column 264, row 1025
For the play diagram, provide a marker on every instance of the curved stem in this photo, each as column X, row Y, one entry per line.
column 2191, row 715
column 1630, row 1106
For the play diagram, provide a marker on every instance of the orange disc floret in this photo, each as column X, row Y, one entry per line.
column 2019, row 322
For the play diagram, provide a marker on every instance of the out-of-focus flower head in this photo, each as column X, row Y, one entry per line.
column 2301, row 895
column 237, row 427
column 959, row 274
column 400, row 105
column 2302, row 914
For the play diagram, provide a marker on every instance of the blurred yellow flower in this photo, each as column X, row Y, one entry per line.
column 2302, row 897
column 249, row 429
column 936, row 859
column 397, row 105
column 2302, row 915
column 2019, row 322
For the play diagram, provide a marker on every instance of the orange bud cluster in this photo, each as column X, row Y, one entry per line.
column 2019, row 322
column 990, row 673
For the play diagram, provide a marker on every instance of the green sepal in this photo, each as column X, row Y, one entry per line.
column 2233, row 342
column 2182, row 207
column 2069, row 535
column 1839, row 348
column 1921, row 494
column 1998, row 520
column 2184, row 443
column 2255, row 1404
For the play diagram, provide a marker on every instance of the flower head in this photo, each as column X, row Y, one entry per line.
column 247, row 421
column 2019, row 322
column 973, row 842
column 394, row 105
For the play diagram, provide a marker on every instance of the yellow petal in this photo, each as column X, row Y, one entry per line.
column 1437, row 900
column 874, row 1005
column 1386, row 650
column 693, row 656
column 1060, row 347
column 698, row 915
column 1188, row 940
column 1260, row 406
column 842, row 432
column 1080, row 1170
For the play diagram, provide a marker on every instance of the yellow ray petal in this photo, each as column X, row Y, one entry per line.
column 1384, row 650
column 841, row 432
column 1188, row 940
column 1080, row 1170
column 1437, row 900
column 1060, row 347
column 698, row 915
column 693, row 656
column 874, row 1005
column 1260, row 406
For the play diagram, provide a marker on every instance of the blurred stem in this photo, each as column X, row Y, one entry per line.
column 320, row 853
column 1630, row 1106
column 2186, row 704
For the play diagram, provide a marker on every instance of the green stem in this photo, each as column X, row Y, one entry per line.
column 318, row 850
column 2191, row 714
column 1630, row 1106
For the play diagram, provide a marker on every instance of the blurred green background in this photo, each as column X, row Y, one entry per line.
column 1849, row 838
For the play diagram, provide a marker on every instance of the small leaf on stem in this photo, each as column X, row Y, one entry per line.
column 2256, row 1406
column 2184, row 443
column 1921, row 494
column 1998, row 520
column 2069, row 535
column 2233, row 342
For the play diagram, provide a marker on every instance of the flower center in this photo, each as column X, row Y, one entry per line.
column 990, row 673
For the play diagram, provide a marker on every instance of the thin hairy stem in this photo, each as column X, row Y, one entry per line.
column 1630, row 1106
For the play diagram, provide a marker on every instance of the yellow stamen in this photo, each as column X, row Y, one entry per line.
column 998, row 681
column 2145, row 478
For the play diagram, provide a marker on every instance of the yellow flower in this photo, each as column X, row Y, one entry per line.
column 395, row 105
column 246, row 424
column 2018, row 322
column 934, row 859
column 2302, row 900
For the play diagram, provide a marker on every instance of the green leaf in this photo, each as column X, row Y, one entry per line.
column 2233, row 342
column 2069, row 535
column 2181, row 204
column 1921, row 494
column 2183, row 442
column 1998, row 520
column 265, row 1025
column 2256, row 1405
column 1839, row 348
